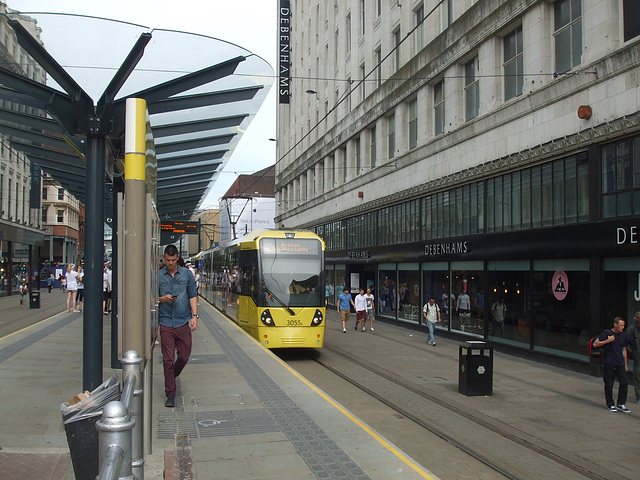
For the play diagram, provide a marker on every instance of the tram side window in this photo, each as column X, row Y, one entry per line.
column 248, row 274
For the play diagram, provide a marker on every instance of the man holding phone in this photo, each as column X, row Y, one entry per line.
column 178, row 317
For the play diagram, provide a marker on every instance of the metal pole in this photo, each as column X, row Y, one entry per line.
column 114, row 428
column 94, row 264
column 132, row 366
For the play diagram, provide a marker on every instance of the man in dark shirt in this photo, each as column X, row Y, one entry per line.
column 615, row 364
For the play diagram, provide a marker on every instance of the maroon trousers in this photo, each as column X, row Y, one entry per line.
column 174, row 340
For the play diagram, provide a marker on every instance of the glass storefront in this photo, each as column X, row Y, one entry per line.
column 387, row 289
column 466, row 284
column 435, row 281
column 509, row 281
column 621, row 288
column 409, row 291
column 561, row 306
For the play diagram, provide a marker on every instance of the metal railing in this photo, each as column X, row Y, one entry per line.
column 120, row 430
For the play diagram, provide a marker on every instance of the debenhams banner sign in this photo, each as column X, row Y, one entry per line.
column 446, row 248
column 284, row 51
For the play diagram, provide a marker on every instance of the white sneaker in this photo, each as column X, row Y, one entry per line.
column 434, row 344
column 374, row 331
column 622, row 408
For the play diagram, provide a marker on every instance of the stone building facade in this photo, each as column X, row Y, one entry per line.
column 462, row 148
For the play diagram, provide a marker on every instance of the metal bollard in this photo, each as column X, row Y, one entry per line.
column 114, row 428
column 132, row 366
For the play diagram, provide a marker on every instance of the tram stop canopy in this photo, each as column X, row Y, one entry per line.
column 201, row 95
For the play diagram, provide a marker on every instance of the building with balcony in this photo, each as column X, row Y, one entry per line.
column 469, row 151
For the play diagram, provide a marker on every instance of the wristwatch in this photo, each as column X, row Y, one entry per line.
column 196, row 315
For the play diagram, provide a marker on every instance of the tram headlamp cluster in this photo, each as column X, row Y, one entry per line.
column 317, row 318
column 267, row 319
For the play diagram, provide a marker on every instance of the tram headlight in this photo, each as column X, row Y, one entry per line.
column 317, row 318
column 267, row 319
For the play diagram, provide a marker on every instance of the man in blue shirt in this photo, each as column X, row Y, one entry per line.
column 615, row 364
column 178, row 317
column 344, row 307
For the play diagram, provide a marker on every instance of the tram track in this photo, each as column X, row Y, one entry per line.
column 402, row 397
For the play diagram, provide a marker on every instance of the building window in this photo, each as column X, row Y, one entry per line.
column 446, row 17
column 362, row 18
column 568, row 34
column 373, row 146
column 379, row 67
column 621, row 178
column 343, row 154
column 397, row 40
column 413, row 123
column 358, row 159
column 61, row 194
column 513, row 64
column 60, row 218
column 363, row 92
column 471, row 90
column 348, row 32
column 44, row 214
column 438, row 107
column 631, row 19
column 44, row 193
column 378, row 8
column 419, row 19
column 391, row 135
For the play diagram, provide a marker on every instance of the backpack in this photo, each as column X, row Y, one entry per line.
column 597, row 352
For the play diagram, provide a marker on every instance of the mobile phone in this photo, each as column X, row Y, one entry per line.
column 174, row 296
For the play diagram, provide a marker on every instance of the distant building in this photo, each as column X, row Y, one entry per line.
column 61, row 221
column 249, row 204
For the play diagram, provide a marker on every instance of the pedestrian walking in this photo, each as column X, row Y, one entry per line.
column 178, row 317
column 72, row 287
column 615, row 364
column 361, row 309
column 23, row 290
column 344, row 307
column 80, row 294
column 633, row 348
column 50, row 282
column 371, row 308
column 431, row 313
column 107, row 278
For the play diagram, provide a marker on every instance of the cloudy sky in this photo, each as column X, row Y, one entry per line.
column 250, row 24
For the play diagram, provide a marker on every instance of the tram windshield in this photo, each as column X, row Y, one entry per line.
column 292, row 272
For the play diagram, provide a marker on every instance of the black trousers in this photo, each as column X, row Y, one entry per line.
column 610, row 373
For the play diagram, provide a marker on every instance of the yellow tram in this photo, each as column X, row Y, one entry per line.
column 271, row 283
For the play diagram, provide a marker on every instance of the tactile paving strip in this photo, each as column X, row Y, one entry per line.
column 216, row 423
column 321, row 454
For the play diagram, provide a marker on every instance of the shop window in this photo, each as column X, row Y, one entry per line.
column 408, row 295
column 466, row 283
column 508, row 281
column 567, row 34
column 435, row 281
column 387, row 290
column 561, row 298
column 621, row 286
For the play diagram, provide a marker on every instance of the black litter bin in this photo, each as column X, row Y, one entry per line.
column 79, row 422
column 475, row 373
column 35, row 299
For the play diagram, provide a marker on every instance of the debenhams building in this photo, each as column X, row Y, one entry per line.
column 475, row 152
